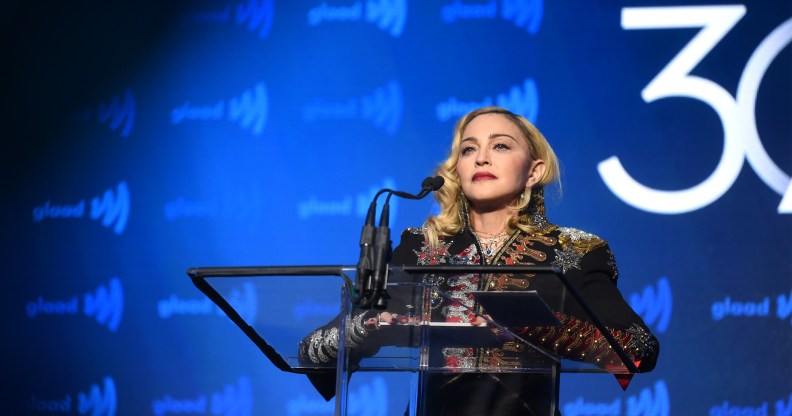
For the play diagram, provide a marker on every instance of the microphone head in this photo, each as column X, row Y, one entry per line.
column 427, row 183
column 436, row 182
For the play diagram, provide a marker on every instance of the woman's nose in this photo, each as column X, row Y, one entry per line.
column 482, row 157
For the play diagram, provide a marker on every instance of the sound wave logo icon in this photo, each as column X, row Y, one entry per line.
column 255, row 15
column 384, row 107
column 654, row 304
column 113, row 209
column 96, row 403
column 524, row 13
column 523, row 101
column 106, row 304
column 650, row 404
column 363, row 199
column 520, row 99
column 119, row 113
column 784, row 408
column 234, row 400
column 250, row 109
column 784, row 306
column 388, row 15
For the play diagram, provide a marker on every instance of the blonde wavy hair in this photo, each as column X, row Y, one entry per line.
column 453, row 205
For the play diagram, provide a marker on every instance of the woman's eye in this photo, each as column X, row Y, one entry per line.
column 501, row 146
column 467, row 150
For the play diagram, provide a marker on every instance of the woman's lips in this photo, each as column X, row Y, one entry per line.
column 484, row 176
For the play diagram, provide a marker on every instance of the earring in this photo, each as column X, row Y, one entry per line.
column 463, row 209
column 535, row 210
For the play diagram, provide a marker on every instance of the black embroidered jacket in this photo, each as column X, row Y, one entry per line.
column 586, row 261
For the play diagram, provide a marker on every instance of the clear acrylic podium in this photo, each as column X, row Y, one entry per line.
column 278, row 308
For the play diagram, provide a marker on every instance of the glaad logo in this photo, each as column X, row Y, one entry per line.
column 249, row 110
column 654, row 305
column 94, row 402
column 388, row 15
column 459, row 11
column 728, row 307
column 737, row 114
column 111, row 208
column 580, row 407
column 523, row 101
column 524, row 13
column 367, row 400
column 118, row 114
column 232, row 400
column 244, row 203
column 646, row 403
column 781, row 408
column 350, row 205
column 784, row 306
column 383, row 108
column 243, row 299
column 784, row 409
column 255, row 15
column 106, row 305
column 39, row 405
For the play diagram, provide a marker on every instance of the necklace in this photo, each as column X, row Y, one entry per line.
column 491, row 242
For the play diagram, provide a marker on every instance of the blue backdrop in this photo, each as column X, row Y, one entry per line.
column 141, row 139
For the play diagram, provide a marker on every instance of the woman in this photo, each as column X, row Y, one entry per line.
column 492, row 213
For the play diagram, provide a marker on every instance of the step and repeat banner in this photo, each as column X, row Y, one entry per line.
column 141, row 139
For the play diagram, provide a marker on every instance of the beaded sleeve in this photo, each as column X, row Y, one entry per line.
column 581, row 340
column 321, row 346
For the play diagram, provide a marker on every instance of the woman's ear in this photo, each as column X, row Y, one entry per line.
column 535, row 173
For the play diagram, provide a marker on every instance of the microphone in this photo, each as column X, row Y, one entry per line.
column 382, row 243
column 363, row 284
column 433, row 183
column 428, row 186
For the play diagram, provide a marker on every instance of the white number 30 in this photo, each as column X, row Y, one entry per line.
column 740, row 138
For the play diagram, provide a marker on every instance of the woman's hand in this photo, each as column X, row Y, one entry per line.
column 388, row 318
column 480, row 321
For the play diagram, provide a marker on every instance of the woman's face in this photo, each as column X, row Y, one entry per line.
column 494, row 162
